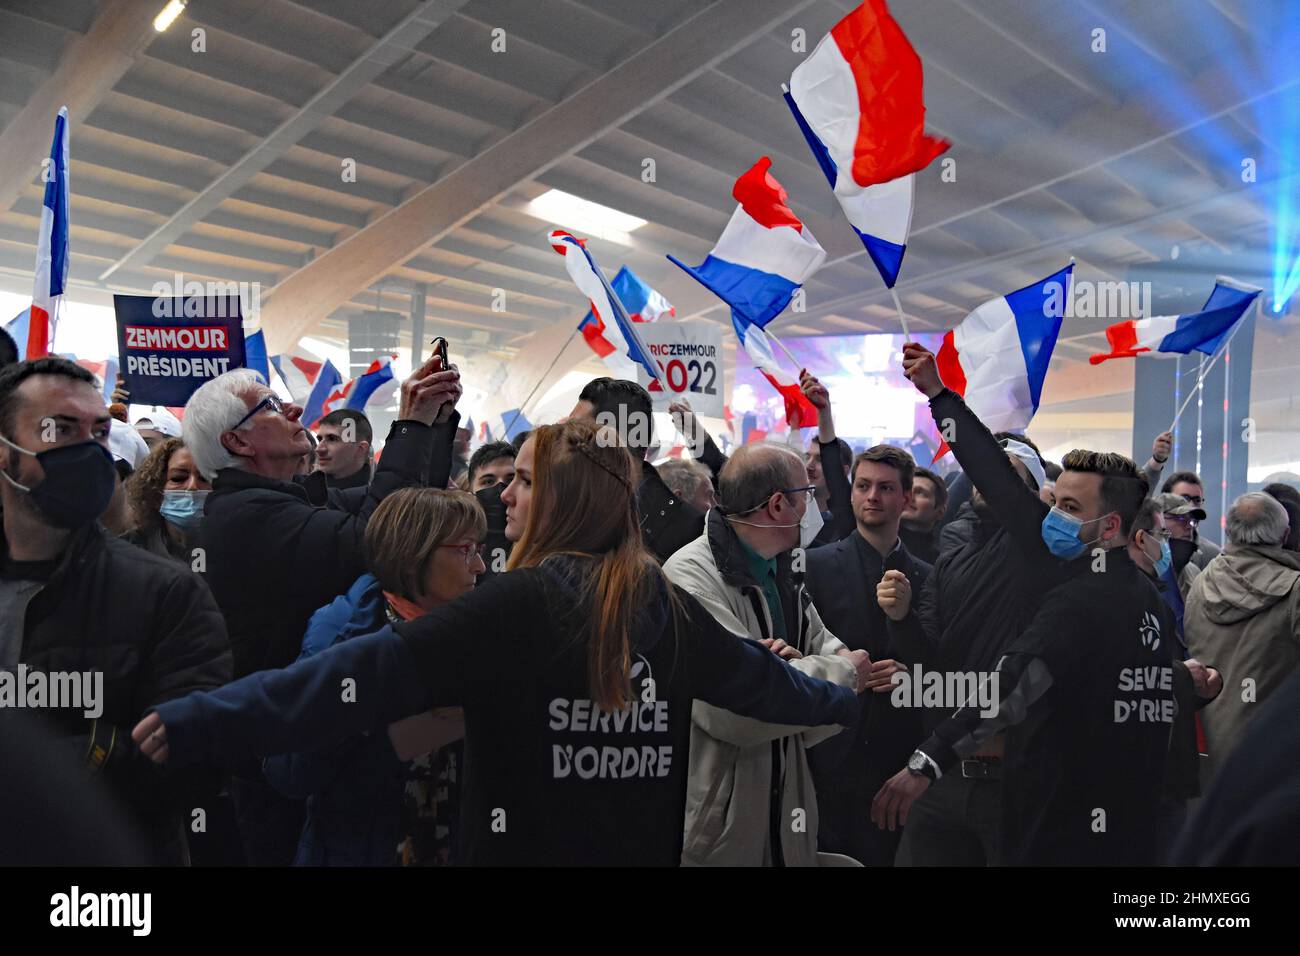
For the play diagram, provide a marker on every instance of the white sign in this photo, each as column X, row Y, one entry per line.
column 690, row 357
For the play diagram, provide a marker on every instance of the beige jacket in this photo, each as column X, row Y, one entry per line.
column 730, row 766
column 1243, row 617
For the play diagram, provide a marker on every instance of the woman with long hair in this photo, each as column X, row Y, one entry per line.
column 166, row 495
column 364, row 796
column 576, row 671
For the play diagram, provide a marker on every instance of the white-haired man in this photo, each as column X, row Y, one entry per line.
column 272, row 554
column 1243, row 613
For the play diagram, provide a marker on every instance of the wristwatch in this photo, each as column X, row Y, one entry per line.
column 922, row 766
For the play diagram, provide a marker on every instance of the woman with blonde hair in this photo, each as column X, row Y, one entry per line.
column 576, row 670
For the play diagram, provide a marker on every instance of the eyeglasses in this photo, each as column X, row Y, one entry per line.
column 809, row 490
column 467, row 551
column 1195, row 499
column 1160, row 535
column 271, row 402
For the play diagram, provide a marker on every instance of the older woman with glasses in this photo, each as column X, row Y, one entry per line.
column 365, row 795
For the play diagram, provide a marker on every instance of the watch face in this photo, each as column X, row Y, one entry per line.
column 916, row 762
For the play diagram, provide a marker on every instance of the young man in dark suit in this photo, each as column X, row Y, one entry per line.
column 856, row 584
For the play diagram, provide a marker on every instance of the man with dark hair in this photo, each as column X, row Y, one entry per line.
column 1195, row 684
column 343, row 441
column 1188, row 485
column 1085, row 694
column 920, row 523
column 667, row 522
column 845, row 579
column 8, row 349
column 76, row 601
column 493, row 463
column 1289, row 498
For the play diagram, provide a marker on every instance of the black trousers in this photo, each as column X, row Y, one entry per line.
column 844, row 813
column 269, row 823
column 954, row 823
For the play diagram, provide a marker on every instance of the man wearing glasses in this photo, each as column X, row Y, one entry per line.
column 750, row 798
column 1181, row 518
column 857, row 584
column 272, row 555
column 1188, row 486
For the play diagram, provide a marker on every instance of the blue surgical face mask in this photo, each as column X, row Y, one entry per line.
column 183, row 509
column 1166, row 559
column 1061, row 534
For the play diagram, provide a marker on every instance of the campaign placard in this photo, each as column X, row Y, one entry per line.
column 168, row 347
column 690, row 357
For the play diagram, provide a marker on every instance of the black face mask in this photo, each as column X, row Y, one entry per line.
column 493, row 507
column 1182, row 552
column 78, row 484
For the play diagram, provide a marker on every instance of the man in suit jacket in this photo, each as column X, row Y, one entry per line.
column 855, row 583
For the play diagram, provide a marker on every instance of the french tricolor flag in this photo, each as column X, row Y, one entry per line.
column 799, row 412
column 298, row 370
column 1168, row 336
column 51, row 246
column 358, row 392
column 643, row 304
column 997, row 357
column 364, row 387
column 617, row 327
column 763, row 255
column 327, row 380
column 858, row 100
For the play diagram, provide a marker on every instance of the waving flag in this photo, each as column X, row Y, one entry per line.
column 997, row 357
column 1167, row 336
column 368, row 383
column 322, row 391
column 51, row 246
column 799, row 412
column 255, row 354
column 643, row 304
column 616, row 325
column 763, row 255
column 298, row 371
column 858, row 100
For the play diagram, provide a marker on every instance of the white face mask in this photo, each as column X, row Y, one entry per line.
column 810, row 525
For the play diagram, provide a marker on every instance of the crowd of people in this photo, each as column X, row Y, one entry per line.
column 551, row 651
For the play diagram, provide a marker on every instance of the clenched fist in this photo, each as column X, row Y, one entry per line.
column 894, row 595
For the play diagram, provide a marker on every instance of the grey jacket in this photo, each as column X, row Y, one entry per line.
column 1243, row 617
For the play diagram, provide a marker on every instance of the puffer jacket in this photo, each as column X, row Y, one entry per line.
column 739, row 764
column 1243, row 616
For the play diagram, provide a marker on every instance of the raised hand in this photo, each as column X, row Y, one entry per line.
column 921, row 369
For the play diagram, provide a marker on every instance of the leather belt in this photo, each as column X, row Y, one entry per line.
column 982, row 768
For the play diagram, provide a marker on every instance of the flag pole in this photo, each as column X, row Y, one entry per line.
column 1200, row 378
column 789, row 354
column 907, row 335
column 524, row 404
